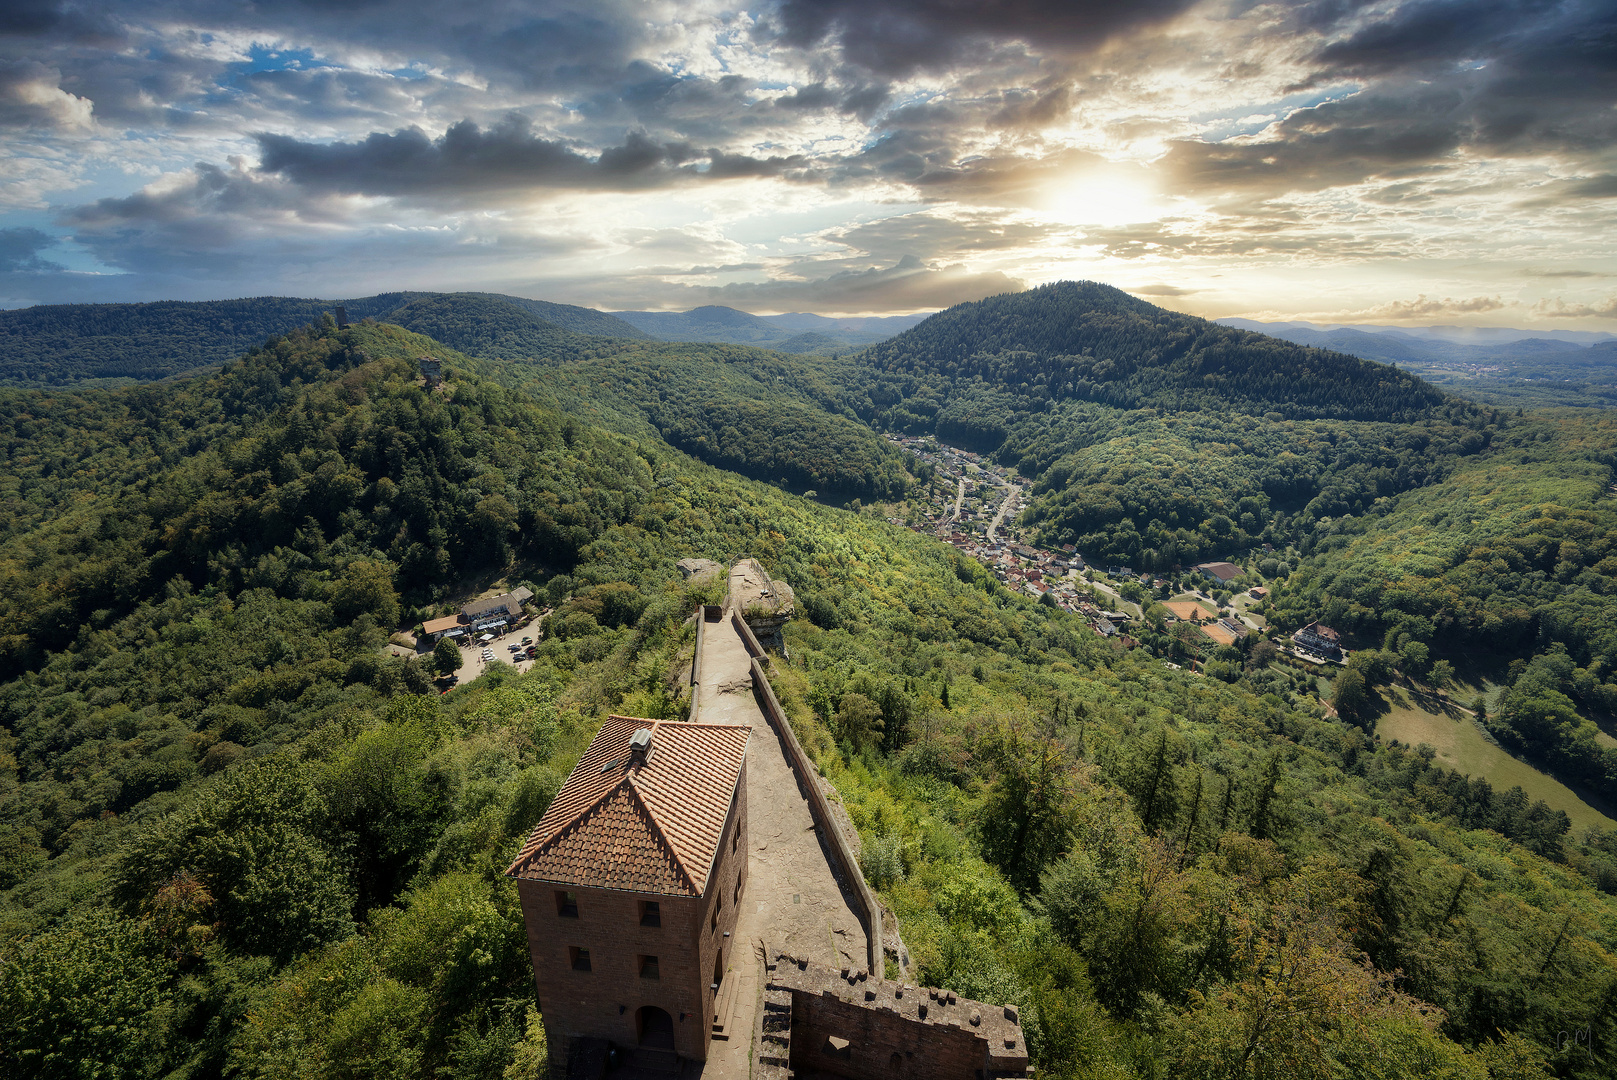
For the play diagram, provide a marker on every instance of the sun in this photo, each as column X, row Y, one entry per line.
column 1107, row 197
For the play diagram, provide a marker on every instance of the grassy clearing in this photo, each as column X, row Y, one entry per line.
column 1461, row 746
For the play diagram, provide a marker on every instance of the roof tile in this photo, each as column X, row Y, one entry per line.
column 653, row 826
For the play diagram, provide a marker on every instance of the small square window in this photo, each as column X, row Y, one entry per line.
column 651, row 913
column 566, row 904
column 579, row 958
column 648, row 967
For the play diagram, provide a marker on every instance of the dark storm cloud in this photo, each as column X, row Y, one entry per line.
column 1431, row 34
column 1441, row 32
column 507, row 157
column 1440, row 78
column 1338, row 143
column 896, row 38
column 20, row 248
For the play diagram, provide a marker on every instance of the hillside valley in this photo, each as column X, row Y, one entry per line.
column 247, row 832
column 1494, row 367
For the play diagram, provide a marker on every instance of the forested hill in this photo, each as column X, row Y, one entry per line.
column 60, row 344
column 292, row 470
column 66, row 343
column 1084, row 340
column 486, row 325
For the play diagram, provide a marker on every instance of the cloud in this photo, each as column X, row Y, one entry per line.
column 897, row 38
column 508, row 157
column 1266, row 142
column 1560, row 309
column 910, row 284
column 951, row 235
column 1539, row 272
column 1424, row 307
column 19, row 251
column 31, row 97
column 1421, row 34
column 1388, row 133
column 1161, row 290
column 1567, row 192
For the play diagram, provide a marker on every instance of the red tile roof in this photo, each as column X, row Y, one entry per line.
column 651, row 826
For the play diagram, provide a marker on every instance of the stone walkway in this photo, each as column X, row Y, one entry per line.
column 793, row 899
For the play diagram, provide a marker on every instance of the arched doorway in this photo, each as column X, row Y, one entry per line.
column 656, row 1028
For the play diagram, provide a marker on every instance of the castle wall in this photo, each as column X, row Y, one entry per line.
column 819, row 1020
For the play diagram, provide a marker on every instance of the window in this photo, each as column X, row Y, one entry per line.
column 718, row 902
column 566, row 904
column 651, row 913
column 737, row 897
column 648, row 967
column 735, row 838
column 579, row 958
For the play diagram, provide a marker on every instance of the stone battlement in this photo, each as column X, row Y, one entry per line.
column 818, row 1020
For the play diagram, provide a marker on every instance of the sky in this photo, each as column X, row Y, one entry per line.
column 1377, row 161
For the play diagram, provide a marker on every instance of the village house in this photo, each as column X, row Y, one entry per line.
column 1320, row 640
column 505, row 608
column 448, row 626
column 1221, row 572
column 630, row 886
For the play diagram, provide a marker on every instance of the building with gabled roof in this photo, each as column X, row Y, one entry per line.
column 506, row 605
column 630, row 885
column 437, row 628
column 1221, row 572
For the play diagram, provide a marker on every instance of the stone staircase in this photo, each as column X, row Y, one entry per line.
column 724, row 1004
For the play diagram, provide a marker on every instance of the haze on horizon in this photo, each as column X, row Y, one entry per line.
column 1393, row 162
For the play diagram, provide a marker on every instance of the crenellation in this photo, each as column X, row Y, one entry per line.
column 846, row 1023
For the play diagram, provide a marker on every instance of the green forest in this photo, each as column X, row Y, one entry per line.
column 65, row 344
column 238, row 839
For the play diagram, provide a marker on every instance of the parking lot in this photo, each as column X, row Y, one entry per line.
column 473, row 664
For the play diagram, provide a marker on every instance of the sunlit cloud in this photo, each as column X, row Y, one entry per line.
column 1388, row 162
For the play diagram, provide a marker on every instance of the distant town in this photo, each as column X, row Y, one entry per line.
column 971, row 504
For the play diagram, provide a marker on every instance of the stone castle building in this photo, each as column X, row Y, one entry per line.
column 632, row 882
column 630, row 886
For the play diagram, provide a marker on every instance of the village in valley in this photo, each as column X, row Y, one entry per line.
column 972, row 504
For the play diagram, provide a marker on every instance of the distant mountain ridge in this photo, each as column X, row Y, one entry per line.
column 59, row 344
column 786, row 333
column 1458, row 335
column 1492, row 365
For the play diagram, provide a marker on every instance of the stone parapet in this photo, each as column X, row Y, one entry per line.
column 846, row 1023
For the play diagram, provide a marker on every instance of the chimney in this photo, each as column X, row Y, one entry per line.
column 640, row 745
